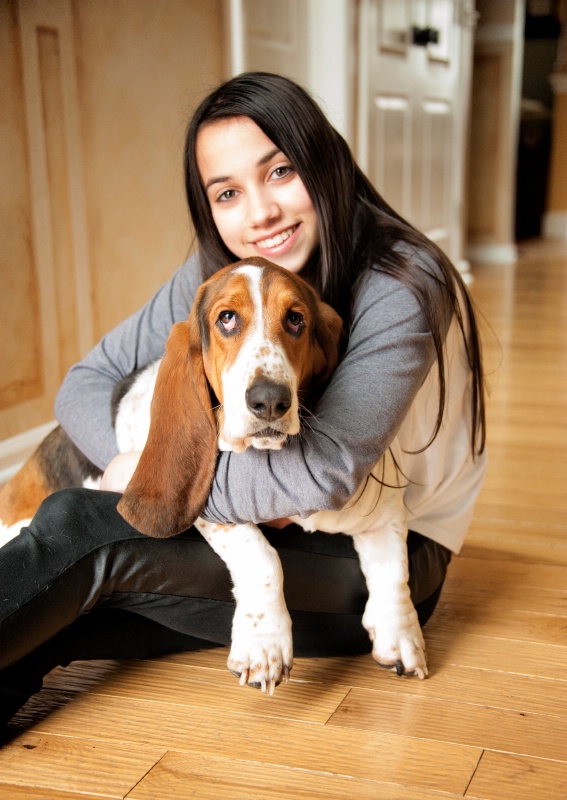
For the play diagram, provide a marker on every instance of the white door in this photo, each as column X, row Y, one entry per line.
column 414, row 72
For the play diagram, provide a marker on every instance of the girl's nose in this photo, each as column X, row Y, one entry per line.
column 261, row 209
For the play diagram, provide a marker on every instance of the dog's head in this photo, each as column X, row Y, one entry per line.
column 233, row 376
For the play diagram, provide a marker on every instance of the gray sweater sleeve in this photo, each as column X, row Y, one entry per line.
column 83, row 404
column 389, row 354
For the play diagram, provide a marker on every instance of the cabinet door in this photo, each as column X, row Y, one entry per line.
column 95, row 98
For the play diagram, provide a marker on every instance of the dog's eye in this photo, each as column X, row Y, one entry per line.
column 294, row 322
column 228, row 320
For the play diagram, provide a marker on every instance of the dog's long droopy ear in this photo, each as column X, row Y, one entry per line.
column 328, row 337
column 172, row 480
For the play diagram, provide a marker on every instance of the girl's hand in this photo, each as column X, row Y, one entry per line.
column 117, row 475
column 279, row 523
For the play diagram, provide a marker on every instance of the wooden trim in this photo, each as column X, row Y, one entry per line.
column 492, row 253
column 14, row 451
column 555, row 225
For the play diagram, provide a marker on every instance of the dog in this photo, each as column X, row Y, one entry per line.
column 258, row 338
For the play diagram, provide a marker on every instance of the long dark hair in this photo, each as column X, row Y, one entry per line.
column 358, row 230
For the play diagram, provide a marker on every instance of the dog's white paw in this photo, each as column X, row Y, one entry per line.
column 397, row 641
column 261, row 654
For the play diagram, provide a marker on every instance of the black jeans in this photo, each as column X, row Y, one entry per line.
column 80, row 583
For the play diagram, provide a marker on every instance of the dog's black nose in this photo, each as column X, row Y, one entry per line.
column 268, row 400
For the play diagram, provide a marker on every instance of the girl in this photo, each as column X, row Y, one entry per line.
column 266, row 174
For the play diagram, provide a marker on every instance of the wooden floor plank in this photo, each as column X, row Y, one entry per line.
column 75, row 765
column 173, row 683
column 482, row 669
column 504, row 596
column 515, row 657
column 495, row 504
column 483, row 688
column 82, row 676
column 320, row 685
column 192, row 775
column 450, row 645
column 505, row 777
column 308, row 746
column 215, row 658
column 9, row 791
column 511, row 731
column 521, row 546
column 533, row 576
column 494, row 622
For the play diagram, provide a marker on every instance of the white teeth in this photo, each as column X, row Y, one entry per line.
column 275, row 240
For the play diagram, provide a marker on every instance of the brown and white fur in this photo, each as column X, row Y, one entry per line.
column 256, row 339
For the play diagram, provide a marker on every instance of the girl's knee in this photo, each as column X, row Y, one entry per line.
column 87, row 514
column 64, row 507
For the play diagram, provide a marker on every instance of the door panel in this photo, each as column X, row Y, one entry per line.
column 394, row 20
column 435, row 168
column 390, row 137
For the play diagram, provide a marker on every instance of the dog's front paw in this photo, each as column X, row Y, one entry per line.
column 397, row 642
column 261, row 654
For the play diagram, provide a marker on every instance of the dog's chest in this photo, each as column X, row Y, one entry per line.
column 133, row 416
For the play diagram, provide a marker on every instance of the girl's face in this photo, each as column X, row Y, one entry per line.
column 258, row 201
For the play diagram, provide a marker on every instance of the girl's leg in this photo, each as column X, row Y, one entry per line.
column 102, row 634
column 80, row 583
column 148, row 596
column 78, row 553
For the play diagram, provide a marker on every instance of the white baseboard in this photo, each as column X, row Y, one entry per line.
column 492, row 253
column 14, row 451
column 555, row 225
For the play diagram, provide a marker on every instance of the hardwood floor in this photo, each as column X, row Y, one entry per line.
column 491, row 721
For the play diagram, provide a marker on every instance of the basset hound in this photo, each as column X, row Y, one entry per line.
column 257, row 338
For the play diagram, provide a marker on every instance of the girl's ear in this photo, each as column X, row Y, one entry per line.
column 328, row 338
column 172, row 480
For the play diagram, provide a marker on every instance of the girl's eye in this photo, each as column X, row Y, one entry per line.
column 282, row 172
column 228, row 320
column 228, row 194
column 294, row 322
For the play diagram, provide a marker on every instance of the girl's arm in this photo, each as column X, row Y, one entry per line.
column 83, row 404
column 389, row 354
column 118, row 473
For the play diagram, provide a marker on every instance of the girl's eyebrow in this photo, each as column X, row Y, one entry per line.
column 264, row 160
column 268, row 156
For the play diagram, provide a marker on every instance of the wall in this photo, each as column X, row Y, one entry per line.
column 555, row 219
column 95, row 98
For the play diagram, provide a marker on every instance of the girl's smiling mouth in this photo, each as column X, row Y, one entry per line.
column 272, row 243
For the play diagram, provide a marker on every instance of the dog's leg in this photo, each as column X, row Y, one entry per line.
column 390, row 616
column 261, row 652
